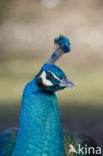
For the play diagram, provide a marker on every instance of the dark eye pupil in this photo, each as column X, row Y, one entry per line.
column 49, row 76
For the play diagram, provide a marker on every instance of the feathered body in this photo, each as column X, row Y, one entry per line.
column 8, row 142
column 40, row 131
column 38, row 120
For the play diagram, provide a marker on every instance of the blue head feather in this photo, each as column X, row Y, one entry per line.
column 54, row 69
column 63, row 43
column 57, row 75
column 63, row 46
column 40, row 130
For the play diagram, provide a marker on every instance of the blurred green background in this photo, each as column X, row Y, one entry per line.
column 27, row 30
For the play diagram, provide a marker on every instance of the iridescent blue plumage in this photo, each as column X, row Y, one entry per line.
column 53, row 68
column 40, row 131
column 63, row 46
column 63, row 43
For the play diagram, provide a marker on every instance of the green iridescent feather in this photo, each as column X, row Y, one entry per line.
column 40, row 130
column 8, row 141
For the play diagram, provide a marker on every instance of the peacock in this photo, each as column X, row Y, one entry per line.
column 40, row 130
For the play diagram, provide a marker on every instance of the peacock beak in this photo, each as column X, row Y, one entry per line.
column 67, row 83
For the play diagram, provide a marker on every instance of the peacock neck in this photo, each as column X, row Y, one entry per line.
column 40, row 130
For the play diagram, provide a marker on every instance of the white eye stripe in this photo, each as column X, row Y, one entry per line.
column 55, row 77
column 45, row 81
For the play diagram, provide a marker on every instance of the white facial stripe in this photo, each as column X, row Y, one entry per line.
column 56, row 77
column 45, row 81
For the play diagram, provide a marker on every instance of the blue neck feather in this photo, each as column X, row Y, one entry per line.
column 40, row 131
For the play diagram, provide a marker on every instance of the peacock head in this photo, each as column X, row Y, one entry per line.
column 51, row 78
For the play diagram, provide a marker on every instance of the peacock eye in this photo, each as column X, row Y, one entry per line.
column 49, row 76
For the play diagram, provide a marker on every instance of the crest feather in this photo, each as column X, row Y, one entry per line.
column 63, row 46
